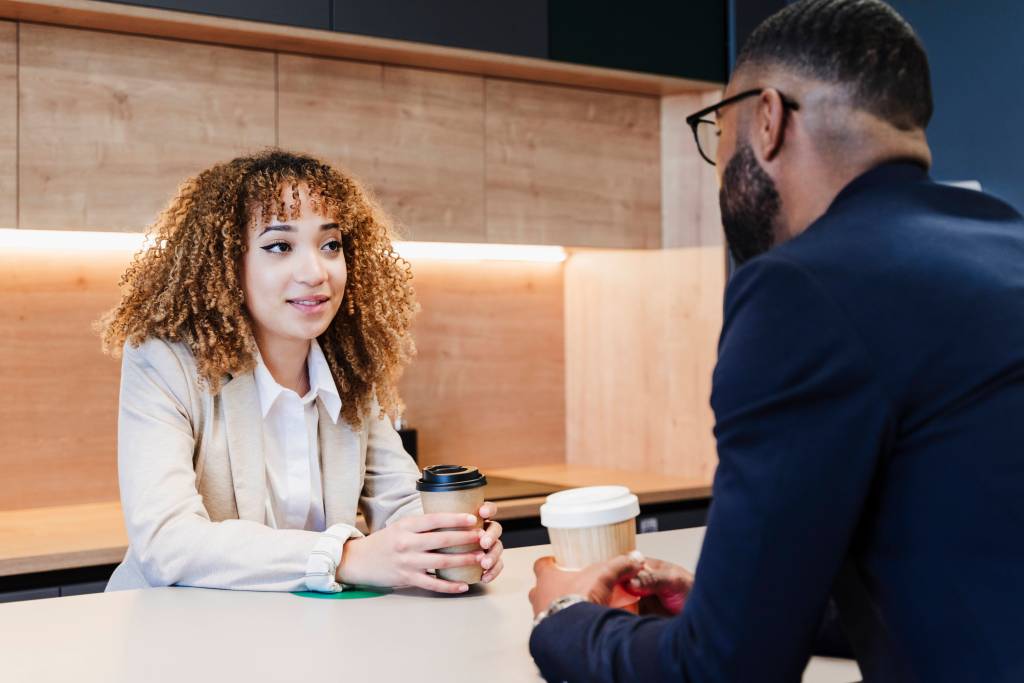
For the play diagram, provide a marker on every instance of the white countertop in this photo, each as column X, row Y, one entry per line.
column 190, row 635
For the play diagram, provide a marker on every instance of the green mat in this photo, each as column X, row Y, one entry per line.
column 353, row 593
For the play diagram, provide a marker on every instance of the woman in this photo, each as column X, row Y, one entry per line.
column 263, row 334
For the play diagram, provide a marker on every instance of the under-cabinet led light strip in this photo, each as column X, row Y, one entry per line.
column 82, row 241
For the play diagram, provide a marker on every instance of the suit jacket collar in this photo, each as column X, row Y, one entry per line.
column 884, row 175
column 341, row 465
column 340, row 455
column 244, row 425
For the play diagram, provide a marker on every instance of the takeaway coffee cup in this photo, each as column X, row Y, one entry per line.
column 454, row 488
column 590, row 524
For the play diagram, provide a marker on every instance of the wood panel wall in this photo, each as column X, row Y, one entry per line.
column 58, row 393
column 641, row 332
column 488, row 384
column 487, row 387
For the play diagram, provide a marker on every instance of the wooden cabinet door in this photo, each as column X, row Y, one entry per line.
column 413, row 137
column 110, row 124
column 8, row 124
column 572, row 166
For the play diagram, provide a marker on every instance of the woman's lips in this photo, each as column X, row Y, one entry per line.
column 310, row 305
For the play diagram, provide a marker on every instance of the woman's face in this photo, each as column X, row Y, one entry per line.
column 294, row 274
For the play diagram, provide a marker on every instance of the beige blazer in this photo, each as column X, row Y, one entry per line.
column 193, row 479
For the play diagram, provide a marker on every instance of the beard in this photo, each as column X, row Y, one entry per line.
column 750, row 205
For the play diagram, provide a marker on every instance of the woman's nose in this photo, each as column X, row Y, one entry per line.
column 311, row 270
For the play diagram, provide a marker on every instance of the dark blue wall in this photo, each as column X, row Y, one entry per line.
column 976, row 50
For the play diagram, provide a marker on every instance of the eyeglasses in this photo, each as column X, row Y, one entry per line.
column 706, row 131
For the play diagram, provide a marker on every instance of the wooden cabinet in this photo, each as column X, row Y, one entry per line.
column 415, row 137
column 8, row 124
column 97, row 130
column 572, row 166
column 109, row 124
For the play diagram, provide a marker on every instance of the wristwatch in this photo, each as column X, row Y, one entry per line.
column 557, row 605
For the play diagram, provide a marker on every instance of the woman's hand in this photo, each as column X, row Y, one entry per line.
column 490, row 541
column 401, row 554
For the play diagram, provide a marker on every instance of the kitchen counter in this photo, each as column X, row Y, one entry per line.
column 71, row 536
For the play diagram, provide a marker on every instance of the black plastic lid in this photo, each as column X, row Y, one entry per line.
column 437, row 478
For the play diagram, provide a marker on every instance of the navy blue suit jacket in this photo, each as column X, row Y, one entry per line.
column 869, row 405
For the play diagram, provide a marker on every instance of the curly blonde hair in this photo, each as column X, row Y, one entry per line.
column 186, row 287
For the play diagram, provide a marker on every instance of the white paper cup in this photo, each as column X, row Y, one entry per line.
column 590, row 524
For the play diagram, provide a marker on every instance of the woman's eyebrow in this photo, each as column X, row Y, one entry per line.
column 282, row 227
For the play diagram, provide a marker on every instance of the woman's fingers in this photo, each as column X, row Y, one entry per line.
column 488, row 510
column 431, row 583
column 492, row 532
column 438, row 520
column 493, row 571
column 426, row 561
column 435, row 540
column 492, row 557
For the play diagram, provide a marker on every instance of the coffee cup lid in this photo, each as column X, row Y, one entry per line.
column 589, row 506
column 438, row 478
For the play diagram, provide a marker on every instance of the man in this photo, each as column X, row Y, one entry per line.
column 869, row 393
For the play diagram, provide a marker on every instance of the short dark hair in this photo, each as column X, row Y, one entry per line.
column 863, row 44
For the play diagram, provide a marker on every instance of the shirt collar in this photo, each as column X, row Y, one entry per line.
column 321, row 383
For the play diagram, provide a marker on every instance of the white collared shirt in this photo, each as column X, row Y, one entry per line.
column 291, row 448
column 291, row 445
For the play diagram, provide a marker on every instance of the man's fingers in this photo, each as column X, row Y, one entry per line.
column 622, row 568
column 544, row 565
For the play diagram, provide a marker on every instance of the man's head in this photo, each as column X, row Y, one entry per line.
column 839, row 86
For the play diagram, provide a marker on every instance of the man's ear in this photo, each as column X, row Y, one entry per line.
column 769, row 123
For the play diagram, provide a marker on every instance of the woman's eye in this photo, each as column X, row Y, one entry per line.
column 277, row 248
column 333, row 245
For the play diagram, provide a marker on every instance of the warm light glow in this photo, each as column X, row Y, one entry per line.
column 458, row 251
column 70, row 240
column 81, row 240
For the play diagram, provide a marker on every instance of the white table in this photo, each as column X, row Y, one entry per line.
column 189, row 635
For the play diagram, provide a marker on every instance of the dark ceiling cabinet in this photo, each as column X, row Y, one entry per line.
column 684, row 38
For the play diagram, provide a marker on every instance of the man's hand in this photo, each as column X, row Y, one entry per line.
column 596, row 583
column 662, row 587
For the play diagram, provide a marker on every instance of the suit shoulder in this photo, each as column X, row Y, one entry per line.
column 167, row 358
